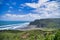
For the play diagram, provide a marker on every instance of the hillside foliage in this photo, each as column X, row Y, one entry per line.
column 29, row 35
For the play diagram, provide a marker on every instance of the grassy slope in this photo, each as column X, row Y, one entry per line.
column 27, row 35
column 47, row 23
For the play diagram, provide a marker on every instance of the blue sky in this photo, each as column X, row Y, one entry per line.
column 28, row 10
column 14, row 6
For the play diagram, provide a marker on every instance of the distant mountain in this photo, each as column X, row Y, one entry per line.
column 49, row 23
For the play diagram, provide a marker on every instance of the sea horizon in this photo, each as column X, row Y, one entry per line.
column 13, row 24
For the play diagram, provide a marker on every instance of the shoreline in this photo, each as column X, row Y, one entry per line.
column 42, row 29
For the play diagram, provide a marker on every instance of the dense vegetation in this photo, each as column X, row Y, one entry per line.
column 49, row 23
column 29, row 35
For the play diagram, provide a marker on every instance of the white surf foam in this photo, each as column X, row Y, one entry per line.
column 13, row 26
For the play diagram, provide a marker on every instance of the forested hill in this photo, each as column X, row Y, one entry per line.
column 49, row 23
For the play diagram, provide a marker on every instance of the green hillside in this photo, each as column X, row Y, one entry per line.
column 29, row 35
column 49, row 23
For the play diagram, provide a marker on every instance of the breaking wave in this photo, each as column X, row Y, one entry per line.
column 13, row 26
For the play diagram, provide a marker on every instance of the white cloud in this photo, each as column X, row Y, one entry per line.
column 28, row 17
column 36, row 5
column 49, row 6
column 46, row 9
column 14, row 17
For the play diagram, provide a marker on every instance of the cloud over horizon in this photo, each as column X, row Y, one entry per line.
column 14, row 17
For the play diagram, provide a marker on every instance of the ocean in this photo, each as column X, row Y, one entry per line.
column 13, row 24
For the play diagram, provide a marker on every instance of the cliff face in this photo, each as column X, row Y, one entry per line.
column 49, row 23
